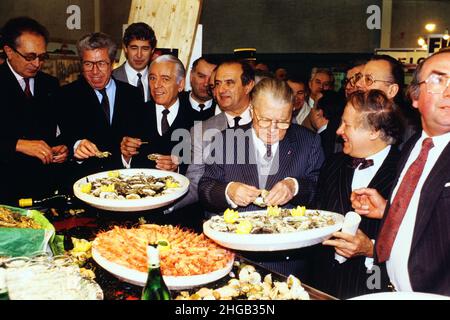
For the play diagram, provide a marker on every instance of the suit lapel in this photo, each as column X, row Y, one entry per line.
column 285, row 155
column 345, row 184
column 427, row 202
column 250, row 170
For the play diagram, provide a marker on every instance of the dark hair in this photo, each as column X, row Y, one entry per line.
column 15, row 27
column 378, row 113
column 332, row 104
column 139, row 31
column 397, row 75
column 248, row 73
column 355, row 63
column 206, row 59
column 97, row 40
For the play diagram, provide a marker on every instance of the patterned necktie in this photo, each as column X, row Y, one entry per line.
column 236, row 122
column 27, row 90
column 365, row 163
column 140, row 85
column 401, row 202
column 201, row 106
column 268, row 151
column 164, row 123
column 105, row 104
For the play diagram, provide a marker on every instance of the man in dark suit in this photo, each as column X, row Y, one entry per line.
column 202, row 103
column 159, row 119
column 370, row 127
column 95, row 109
column 270, row 154
column 414, row 235
column 139, row 43
column 30, row 154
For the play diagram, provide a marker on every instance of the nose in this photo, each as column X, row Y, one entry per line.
column 139, row 53
column 36, row 62
column 340, row 130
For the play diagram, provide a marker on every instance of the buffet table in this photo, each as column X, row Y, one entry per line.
column 82, row 221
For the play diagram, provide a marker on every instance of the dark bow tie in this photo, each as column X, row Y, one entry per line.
column 355, row 162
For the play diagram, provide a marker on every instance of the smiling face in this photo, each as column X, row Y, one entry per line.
column 138, row 53
column 356, row 137
column 299, row 93
column 163, row 83
column 97, row 77
column 319, row 83
column 26, row 43
column 434, row 107
column 232, row 96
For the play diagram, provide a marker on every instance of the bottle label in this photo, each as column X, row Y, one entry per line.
column 153, row 256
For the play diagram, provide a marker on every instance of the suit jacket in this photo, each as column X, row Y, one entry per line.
column 120, row 74
column 146, row 129
column 300, row 157
column 429, row 258
column 349, row 278
column 30, row 119
column 196, row 168
column 197, row 115
column 82, row 117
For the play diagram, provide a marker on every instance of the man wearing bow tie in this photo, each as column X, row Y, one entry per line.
column 369, row 129
column 414, row 236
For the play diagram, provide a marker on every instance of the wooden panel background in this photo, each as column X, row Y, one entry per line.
column 174, row 22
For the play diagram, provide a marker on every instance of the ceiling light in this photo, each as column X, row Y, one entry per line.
column 446, row 36
column 421, row 41
column 430, row 27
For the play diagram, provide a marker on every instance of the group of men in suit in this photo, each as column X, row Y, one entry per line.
column 46, row 126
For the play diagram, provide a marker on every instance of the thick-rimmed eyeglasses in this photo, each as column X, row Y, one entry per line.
column 368, row 79
column 33, row 56
column 89, row 65
column 266, row 123
column 436, row 83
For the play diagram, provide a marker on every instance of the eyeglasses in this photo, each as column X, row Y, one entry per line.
column 436, row 83
column 266, row 123
column 33, row 56
column 89, row 65
column 368, row 79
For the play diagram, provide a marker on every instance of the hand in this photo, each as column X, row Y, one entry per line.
column 368, row 202
column 85, row 150
column 242, row 194
column 281, row 193
column 351, row 246
column 35, row 148
column 169, row 163
column 60, row 153
column 129, row 147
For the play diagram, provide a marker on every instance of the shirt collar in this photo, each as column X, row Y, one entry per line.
column 380, row 155
column 438, row 141
column 131, row 71
column 173, row 108
column 195, row 104
column 18, row 76
column 246, row 117
column 260, row 146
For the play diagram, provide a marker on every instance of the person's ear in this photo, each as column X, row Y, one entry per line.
column 392, row 90
column 249, row 87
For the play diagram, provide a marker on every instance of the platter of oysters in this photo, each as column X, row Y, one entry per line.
column 272, row 229
column 131, row 189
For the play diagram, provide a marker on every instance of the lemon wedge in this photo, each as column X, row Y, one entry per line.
column 108, row 188
column 299, row 211
column 113, row 174
column 172, row 184
column 273, row 211
column 86, row 187
column 163, row 245
column 244, row 227
column 230, row 216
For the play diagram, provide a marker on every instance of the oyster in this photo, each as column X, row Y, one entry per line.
column 104, row 154
column 153, row 156
column 261, row 200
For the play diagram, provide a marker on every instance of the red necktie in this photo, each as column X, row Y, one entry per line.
column 27, row 87
column 400, row 204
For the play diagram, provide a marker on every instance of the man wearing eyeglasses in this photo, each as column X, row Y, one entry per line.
column 29, row 149
column 414, row 235
column 385, row 73
column 269, row 154
column 96, row 110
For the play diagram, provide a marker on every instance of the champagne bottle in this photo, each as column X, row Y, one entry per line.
column 3, row 289
column 155, row 288
column 55, row 200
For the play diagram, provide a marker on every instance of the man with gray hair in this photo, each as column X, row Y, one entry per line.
column 96, row 109
column 162, row 115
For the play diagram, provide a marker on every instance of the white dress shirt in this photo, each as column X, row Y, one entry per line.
column 246, row 118
column 21, row 80
column 170, row 116
column 133, row 78
column 397, row 264
column 303, row 113
column 362, row 178
column 195, row 104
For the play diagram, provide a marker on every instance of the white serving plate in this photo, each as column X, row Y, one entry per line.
column 173, row 283
column 274, row 242
column 135, row 204
column 401, row 296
